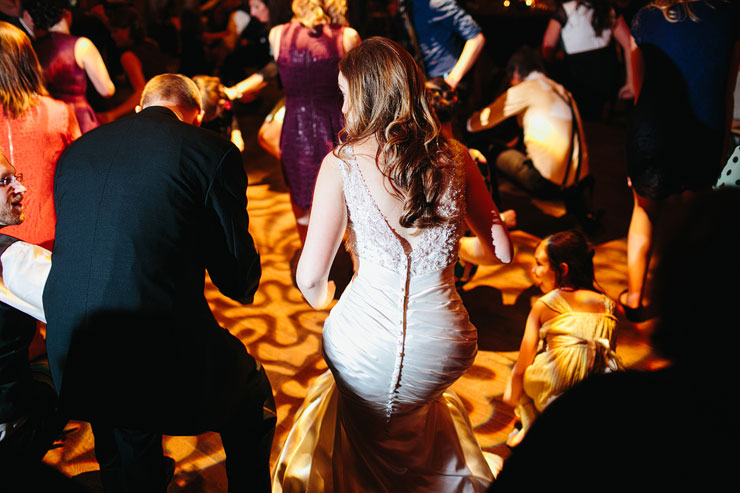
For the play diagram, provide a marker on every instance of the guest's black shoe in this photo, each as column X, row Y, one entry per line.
column 636, row 315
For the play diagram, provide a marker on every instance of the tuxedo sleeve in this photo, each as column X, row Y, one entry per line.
column 232, row 261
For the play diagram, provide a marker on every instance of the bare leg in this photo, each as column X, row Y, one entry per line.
column 301, row 221
column 639, row 248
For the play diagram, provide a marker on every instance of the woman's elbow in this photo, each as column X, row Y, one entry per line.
column 480, row 40
column 305, row 282
column 108, row 90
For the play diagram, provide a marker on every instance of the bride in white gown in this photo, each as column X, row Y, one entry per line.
column 383, row 418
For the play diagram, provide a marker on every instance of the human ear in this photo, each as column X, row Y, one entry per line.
column 563, row 270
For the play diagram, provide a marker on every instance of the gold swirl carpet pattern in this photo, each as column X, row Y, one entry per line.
column 284, row 333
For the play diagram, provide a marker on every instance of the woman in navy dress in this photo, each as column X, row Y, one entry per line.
column 685, row 59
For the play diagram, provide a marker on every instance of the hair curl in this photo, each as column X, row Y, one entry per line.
column 21, row 77
column 387, row 100
column 312, row 13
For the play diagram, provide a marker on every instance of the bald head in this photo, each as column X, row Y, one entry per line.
column 176, row 92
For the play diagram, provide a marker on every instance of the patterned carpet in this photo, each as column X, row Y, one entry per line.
column 284, row 333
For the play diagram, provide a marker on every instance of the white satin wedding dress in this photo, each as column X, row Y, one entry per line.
column 383, row 418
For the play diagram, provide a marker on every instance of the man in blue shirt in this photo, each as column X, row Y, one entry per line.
column 449, row 38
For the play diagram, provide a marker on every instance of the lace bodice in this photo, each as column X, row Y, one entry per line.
column 371, row 237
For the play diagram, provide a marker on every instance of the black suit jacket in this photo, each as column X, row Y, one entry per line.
column 145, row 206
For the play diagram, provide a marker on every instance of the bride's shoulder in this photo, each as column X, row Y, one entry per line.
column 458, row 158
column 456, row 149
column 339, row 157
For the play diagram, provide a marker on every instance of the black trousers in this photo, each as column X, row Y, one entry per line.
column 29, row 442
column 132, row 461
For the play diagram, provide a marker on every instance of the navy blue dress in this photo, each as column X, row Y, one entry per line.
column 674, row 142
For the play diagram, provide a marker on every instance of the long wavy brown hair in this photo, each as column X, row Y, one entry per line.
column 387, row 100
column 312, row 13
column 21, row 77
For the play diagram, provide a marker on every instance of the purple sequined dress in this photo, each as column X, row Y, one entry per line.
column 65, row 80
column 308, row 63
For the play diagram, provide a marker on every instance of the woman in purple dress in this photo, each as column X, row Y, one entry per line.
column 307, row 51
column 68, row 61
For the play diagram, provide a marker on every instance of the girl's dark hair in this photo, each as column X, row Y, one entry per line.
column 572, row 249
column 602, row 17
column 442, row 98
column 388, row 100
column 46, row 13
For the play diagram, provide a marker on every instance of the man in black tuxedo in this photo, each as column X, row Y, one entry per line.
column 145, row 205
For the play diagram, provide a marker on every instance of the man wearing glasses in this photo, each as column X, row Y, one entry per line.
column 29, row 421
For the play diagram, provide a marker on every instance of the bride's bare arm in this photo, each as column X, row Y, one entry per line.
column 325, row 231
column 491, row 244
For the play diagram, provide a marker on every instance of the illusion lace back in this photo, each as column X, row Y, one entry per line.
column 373, row 240
column 382, row 418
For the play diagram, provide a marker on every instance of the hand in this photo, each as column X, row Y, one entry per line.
column 452, row 81
column 237, row 140
column 477, row 156
column 627, row 92
column 232, row 93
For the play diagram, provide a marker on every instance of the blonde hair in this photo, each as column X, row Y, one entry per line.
column 675, row 10
column 312, row 13
column 21, row 77
column 388, row 100
column 212, row 95
column 172, row 88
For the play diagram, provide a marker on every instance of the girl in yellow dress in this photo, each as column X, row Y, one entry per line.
column 569, row 332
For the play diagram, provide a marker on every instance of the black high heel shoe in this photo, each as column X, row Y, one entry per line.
column 637, row 315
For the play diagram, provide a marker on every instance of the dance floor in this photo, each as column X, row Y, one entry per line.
column 284, row 333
